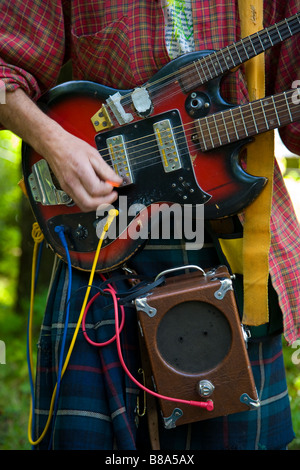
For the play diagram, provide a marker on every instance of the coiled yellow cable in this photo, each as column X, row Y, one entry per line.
column 112, row 214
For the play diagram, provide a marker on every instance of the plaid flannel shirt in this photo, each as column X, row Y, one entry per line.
column 121, row 44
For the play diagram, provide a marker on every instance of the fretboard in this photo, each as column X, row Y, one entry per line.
column 217, row 63
column 248, row 120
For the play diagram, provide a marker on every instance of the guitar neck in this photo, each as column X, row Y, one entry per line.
column 248, row 120
column 219, row 62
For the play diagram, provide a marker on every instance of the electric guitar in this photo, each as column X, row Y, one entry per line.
column 174, row 140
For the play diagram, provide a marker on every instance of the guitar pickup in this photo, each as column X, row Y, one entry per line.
column 119, row 158
column 167, row 145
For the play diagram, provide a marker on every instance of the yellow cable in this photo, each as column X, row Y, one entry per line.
column 112, row 214
column 38, row 237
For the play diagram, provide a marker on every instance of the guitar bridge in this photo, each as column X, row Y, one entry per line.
column 43, row 189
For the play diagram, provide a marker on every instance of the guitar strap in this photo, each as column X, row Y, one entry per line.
column 260, row 162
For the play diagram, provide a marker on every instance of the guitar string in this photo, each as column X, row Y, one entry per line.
column 134, row 149
column 221, row 115
column 231, row 129
column 198, row 66
column 266, row 109
column 253, row 39
column 173, row 94
column 203, row 75
column 273, row 28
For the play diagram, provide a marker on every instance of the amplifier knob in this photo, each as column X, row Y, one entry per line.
column 81, row 232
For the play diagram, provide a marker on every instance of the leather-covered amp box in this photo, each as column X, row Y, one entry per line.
column 196, row 346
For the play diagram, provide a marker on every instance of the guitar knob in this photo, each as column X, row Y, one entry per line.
column 81, row 232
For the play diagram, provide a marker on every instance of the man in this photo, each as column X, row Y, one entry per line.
column 122, row 44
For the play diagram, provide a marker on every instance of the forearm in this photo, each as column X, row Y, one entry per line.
column 23, row 117
column 78, row 166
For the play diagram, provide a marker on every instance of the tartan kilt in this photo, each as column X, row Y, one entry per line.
column 97, row 402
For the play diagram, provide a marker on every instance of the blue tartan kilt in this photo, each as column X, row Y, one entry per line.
column 97, row 401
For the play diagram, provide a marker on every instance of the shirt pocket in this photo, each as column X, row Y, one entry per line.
column 106, row 56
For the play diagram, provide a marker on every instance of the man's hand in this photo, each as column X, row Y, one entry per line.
column 79, row 168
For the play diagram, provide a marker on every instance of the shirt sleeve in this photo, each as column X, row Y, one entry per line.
column 32, row 44
column 283, row 67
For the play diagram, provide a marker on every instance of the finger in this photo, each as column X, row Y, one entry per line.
column 87, row 190
column 104, row 171
column 88, row 203
column 95, row 186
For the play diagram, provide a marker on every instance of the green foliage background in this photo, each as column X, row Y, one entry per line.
column 14, row 383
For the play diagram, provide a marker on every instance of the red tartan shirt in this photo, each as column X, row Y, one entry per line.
column 121, row 44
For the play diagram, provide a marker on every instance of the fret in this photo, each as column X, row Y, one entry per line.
column 238, row 54
column 208, row 68
column 253, row 117
column 284, row 32
column 248, row 49
column 227, row 61
column 207, row 143
column 262, row 45
column 243, row 121
column 270, row 113
column 290, row 110
column 215, row 54
column 239, row 123
column 265, row 40
column 245, row 49
column 281, row 38
column 272, row 43
column 274, row 34
column 297, row 23
column 202, row 136
column 217, row 130
column 234, row 126
column 264, row 115
column 248, row 120
column 225, row 127
column 228, row 66
column 262, row 118
column 254, row 50
column 203, row 63
column 288, row 107
column 277, row 117
column 215, row 64
column 287, row 23
column 199, row 75
column 233, row 62
column 212, row 145
column 230, row 129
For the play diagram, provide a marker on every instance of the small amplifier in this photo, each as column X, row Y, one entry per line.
column 196, row 345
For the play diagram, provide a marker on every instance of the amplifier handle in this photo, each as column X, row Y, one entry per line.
column 171, row 270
